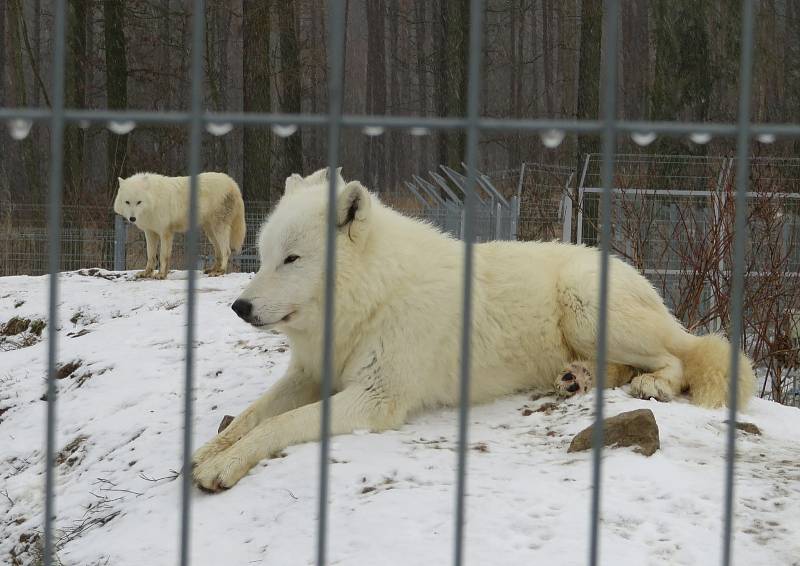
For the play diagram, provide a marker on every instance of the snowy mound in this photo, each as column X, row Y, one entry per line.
column 391, row 495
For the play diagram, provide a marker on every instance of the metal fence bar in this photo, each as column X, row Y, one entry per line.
column 192, row 237
column 608, row 114
column 359, row 121
column 473, row 133
column 336, row 25
column 54, row 254
column 739, row 241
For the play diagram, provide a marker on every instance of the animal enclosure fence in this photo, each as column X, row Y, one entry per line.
column 672, row 217
column 607, row 127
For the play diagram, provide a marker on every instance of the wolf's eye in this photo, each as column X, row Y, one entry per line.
column 127, row 202
column 138, row 202
column 291, row 259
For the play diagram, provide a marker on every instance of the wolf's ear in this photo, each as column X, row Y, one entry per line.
column 339, row 178
column 317, row 176
column 293, row 183
column 119, row 180
column 353, row 206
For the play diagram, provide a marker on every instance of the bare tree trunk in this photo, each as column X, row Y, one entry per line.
column 589, row 95
column 547, row 58
column 30, row 153
column 390, row 179
column 257, row 98
column 375, row 171
column 292, row 87
column 420, row 34
column 75, row 97
column 589, row 70
column 456, row 33
column 635, row 59
column 442, row 74
column 568, row 39
column 116, row 89
column 37, row 45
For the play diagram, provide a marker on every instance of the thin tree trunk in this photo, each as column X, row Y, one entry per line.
column 292, row 86
column 547, row 58
column 420, row 31
column 390, row 179
column 116, row 88
column 456, row 32
column 514, row 78
column 375, row 150
column 257, row 97
column 589, row 95
column 442, row 77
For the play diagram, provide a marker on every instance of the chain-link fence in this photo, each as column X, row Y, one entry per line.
column 672, row 217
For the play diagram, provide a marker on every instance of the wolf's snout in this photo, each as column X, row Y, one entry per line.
column 242, row 308
column 132, row 219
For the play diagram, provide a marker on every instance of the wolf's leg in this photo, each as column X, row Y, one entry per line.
column 223, row 235
column 578, row 377
column 165, row 254
column 212, row 237
column 641, row 332
column 152, row 253
column 357, row 407
column 291, row 391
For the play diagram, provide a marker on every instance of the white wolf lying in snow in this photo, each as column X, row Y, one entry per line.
column 159, row 205
column 397, row 326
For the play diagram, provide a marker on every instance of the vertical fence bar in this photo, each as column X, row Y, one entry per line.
column 473, row 109
column 739, row 241
column 53, row 257
column 195, row 142
column 336, row 25
column 608, row 117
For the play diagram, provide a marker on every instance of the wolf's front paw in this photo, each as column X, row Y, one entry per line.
column 648, row 386
column 207, row 451
column 221, row 471
column 576, row 378
column 144, row 274
column 160, row 275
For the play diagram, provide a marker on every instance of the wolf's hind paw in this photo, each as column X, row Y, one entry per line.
column 576, row 378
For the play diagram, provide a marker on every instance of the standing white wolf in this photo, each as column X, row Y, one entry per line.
column 159, row 206
column 397, row 326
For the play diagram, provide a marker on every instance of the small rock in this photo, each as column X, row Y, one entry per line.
column 526, row 412
column 749, row 428
column 547, row 408
column 633, row 428
column 17, row 325
column 226, row 420
column 67, row 369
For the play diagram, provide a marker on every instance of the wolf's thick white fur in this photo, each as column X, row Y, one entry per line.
column 160, row 207
column 398, row 325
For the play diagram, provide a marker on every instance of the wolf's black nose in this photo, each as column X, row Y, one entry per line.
column 242, row 308
column 132, row 219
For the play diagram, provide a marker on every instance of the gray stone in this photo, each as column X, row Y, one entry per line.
column 634, row 428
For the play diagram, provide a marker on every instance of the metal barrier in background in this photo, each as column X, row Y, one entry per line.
column 608, row 127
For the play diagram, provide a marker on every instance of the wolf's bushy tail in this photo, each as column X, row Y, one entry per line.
column 706, row 363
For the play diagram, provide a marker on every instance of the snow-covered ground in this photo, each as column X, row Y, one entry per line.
column 391, row 495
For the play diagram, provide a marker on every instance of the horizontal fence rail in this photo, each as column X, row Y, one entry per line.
column 607, row 126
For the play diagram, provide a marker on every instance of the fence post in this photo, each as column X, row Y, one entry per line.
column 120, row 239
column 498, row 221
column 566, row 210
column 514, row 216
